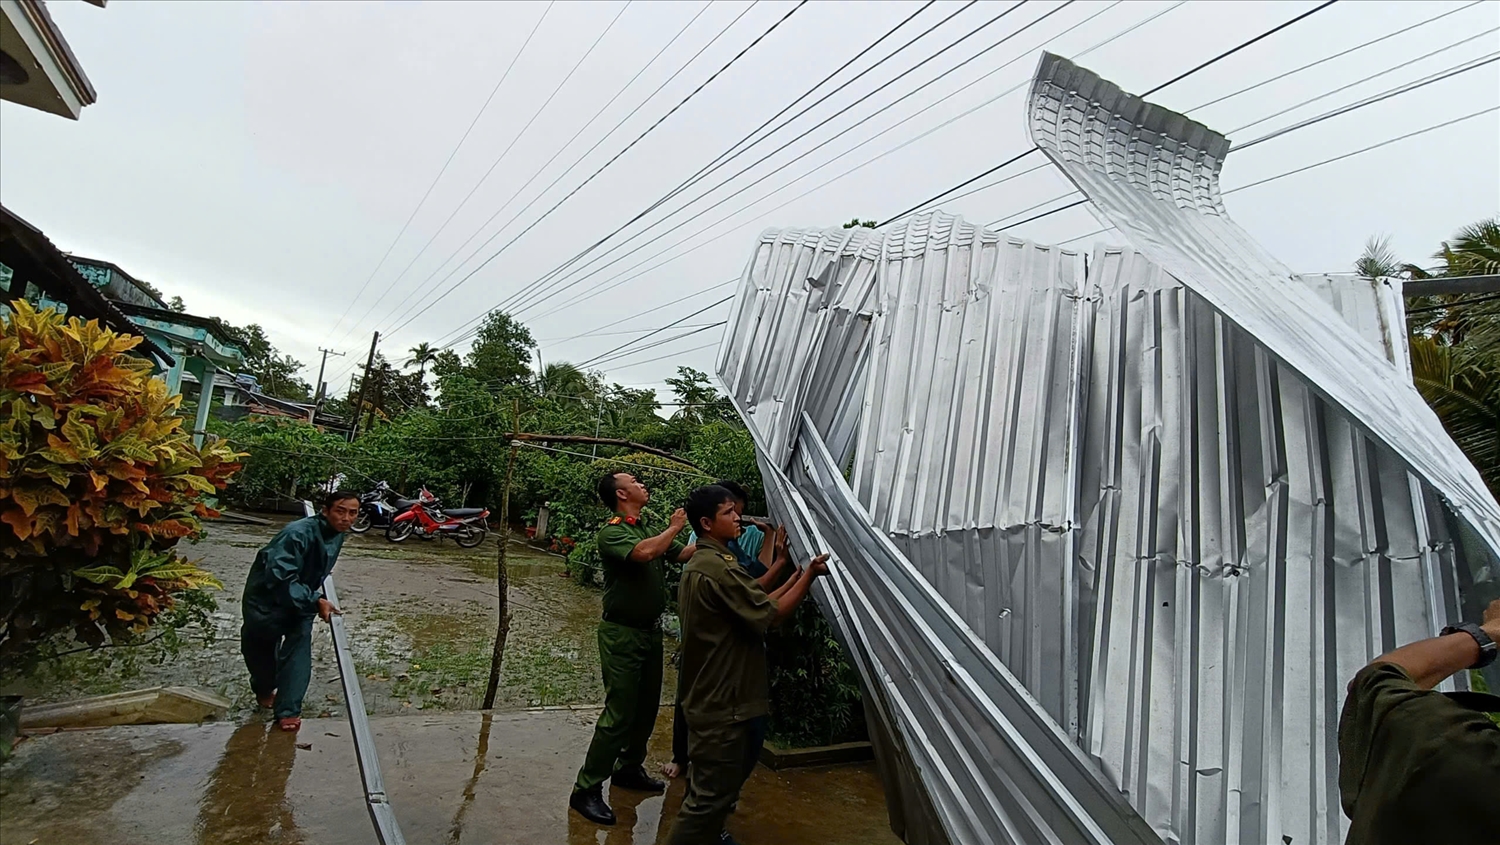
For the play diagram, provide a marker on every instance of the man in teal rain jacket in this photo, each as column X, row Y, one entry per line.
column 283, row 592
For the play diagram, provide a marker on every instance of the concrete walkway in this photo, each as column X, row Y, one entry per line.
column 453, row 778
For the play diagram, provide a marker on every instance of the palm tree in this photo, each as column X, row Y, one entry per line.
column 422, row 354
column 1455, row 340
column 562, row 379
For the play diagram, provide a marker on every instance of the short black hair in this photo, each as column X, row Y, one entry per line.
column 338, row 496
column 735, row 490
column 703, row 503
column 606, row 488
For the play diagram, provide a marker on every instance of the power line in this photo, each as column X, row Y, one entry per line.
column 726, row 155
column 621, row 279
column 722, row 284
column 1338, row 55
column 560, row 150
column 591, row 178
column 1362, row 150
column 676, row 322
column 1231, row 51
column 685, row 65
column 498, row 159
column 663, row 342
column 729, row 154
column 670, row 355
column 559, row 289
column 1174, row 80
column 444, row 169
column 1368, row 101
column 1158, row 88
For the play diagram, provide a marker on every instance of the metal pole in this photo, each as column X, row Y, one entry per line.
column 318, row 385
column 363, row 383
column 502, row 575
column 598, row 420
column 382, row 815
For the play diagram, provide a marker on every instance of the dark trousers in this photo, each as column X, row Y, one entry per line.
column 279, row 659
column 631, row 660
column 717, row 755
column 752, row 752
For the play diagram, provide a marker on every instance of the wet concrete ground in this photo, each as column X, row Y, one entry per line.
column 452, row 778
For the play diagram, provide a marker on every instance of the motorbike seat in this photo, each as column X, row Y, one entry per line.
column 458, row 513
column 403, row 504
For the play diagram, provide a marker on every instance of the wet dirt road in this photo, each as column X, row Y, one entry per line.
column 452, row 778
column 421, row 618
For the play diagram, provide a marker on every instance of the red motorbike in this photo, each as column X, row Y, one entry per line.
column 428, row 519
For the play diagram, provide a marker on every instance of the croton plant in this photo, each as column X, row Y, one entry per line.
column 99, row 481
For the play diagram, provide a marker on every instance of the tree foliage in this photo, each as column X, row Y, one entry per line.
column 501, row 354
column 1455, row 339
column 99, row 480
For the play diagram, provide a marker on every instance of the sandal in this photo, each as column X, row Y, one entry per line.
column 289, row 723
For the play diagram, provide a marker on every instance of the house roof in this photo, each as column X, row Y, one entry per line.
column 117, row 269
column 35, row 259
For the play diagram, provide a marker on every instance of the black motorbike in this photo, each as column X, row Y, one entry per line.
column 378, row 507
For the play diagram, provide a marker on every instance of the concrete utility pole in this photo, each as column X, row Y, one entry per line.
column 319, row 386
column 363, row 383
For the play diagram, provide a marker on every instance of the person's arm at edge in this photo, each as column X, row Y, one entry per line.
column 798, row 588
column 652, row 548
column 1428, row 662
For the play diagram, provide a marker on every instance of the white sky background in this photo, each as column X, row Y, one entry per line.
column 258, row 160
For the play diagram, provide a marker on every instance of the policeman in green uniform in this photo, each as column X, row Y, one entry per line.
column 723, row 684
column 630, row 650
column 283, row 592
column 1416, row 765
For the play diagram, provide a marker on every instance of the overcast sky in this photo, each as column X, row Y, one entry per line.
column 258, row 160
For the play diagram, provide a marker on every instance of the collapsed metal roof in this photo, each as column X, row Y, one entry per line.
column 1111, row 533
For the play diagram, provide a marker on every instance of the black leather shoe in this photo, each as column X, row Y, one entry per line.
column 590, row 804
column 637, row 779
column 726, row 839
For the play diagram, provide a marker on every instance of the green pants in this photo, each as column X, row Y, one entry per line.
column 279, row 658
column 631, row 659
column 717, row 755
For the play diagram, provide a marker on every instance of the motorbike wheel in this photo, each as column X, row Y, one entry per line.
column 398, row 531
column 361, row 523
column 469, row 537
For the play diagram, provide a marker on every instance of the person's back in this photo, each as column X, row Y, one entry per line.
column 1419, row 766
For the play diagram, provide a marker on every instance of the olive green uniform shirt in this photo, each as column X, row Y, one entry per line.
column 635, row 593
column 1416, row 766
column 725, row 613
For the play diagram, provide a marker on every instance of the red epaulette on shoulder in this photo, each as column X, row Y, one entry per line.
column 614, row 520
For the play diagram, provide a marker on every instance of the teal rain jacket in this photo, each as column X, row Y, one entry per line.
column 286, row 579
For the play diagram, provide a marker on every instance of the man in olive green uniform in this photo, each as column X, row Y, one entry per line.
column 1417, row 765
column 283, row 593
column 723, row 684
column 630, row 650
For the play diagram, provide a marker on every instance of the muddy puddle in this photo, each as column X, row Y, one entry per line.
column 421, row 618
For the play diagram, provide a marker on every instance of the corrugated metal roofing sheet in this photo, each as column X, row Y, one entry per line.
column 1104, row 556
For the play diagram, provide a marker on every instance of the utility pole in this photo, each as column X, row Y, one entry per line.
column 318, row 387
column 364, row 382
column 502, row 575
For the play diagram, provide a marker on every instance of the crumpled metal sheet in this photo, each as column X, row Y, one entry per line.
column 1154, row 175
column 1103, row 558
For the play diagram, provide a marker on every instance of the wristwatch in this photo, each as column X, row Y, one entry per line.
column 1487, row 648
